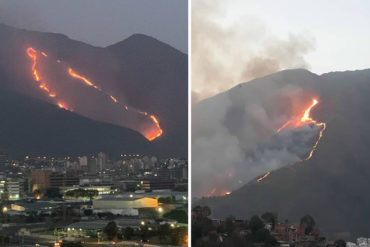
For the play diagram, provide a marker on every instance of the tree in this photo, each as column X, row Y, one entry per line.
column 163, row 232
column 37, row 194
column 111, row 230
column 263, row 236
column 71, row 244
column 81, row 193
column 4, row 240
column 269, row 217
column 256, row 224
column 340, row 243
column 144, row 232
column 178, row 215
column 168, row 200
column 88, row 212
column 53, row 193
column 179, row 236
column 200, row 211
column 128, row 233
column 230, row 224
column 308, row 223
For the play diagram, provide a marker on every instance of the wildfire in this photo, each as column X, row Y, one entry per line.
column 213, row 191
column 113, row 98
column 263, row 177
column 305, row 118
column 150, row 134
column 77, row 76
column 62, row 106
column 32, row 53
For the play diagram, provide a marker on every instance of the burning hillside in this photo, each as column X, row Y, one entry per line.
column 332, row 178
column 294, row 142
column 298, row 122
column 62, row 94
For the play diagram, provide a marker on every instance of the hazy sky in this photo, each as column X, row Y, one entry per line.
column 257, row 37
column 102, row 22
column 340, row 29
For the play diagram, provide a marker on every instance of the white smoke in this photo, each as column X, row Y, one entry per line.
column 235, row 136
column 226, row 52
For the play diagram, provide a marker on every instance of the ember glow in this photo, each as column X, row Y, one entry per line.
column 303, row 119
column 150, row 133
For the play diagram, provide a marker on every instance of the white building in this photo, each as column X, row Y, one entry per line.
column 124, row 206
column 14, row 189
column 83, row 161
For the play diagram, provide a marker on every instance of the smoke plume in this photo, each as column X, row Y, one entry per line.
column 225, row 54
column 235, row 139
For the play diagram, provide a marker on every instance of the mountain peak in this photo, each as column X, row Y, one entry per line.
column 138, row 42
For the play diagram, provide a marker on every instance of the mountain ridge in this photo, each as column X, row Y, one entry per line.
column 333, row 184
column 105, row 69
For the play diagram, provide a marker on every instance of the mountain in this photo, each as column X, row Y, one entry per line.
column 32, row 127
column 141, row 72
column 161, row 83
column 333, row 185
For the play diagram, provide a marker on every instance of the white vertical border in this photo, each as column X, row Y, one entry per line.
column 189, row 123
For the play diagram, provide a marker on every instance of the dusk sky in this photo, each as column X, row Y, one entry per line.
column 100, row 22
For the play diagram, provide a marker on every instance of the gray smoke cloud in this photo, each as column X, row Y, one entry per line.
column 235, row 139
column 223, row 55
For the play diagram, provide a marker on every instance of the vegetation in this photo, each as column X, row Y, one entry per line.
column 53, row 193
column 71, row 244
column 111, row 230
column 340, row 243
column 81, row 193
column 4, row 240
column 229, row 232
column 128, row 233
column 179, row 215
column 167, row 200
column 271, row 218
column 308, row 222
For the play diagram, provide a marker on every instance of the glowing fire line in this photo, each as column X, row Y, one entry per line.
column 32, row 53
column 305, row 119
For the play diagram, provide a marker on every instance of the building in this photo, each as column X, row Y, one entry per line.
column 92, row 165
column 3, row 159
column 124, row 206
column 103, row 189
column 3, row 190
column 179, row 173
column 101, row 161
column 14, row 189
column 58, row 180
column 40, row 180
column 157, row 184
column 83, row 161
column 38, row 207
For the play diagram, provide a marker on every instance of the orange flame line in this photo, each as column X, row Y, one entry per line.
column 75, row 75
column 263, row 177
column 113, row 98
column 305, row 118
column 32, row 53
column 149, row 136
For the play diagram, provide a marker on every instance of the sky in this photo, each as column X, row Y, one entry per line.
column 101, row 22
column 253, row 38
